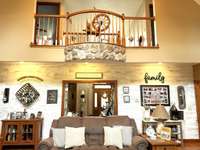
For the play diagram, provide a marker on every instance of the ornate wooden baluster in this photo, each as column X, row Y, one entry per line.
column 81, row 40
column 113, row 30
column 60, row 31
column 123, row 31
column 71, row 31
column 48, row 18
column 76, row 30
column 67, row 30
column 133, row 34
column 57, row 32
column 104, row 32
column 43, row 22
column 38, row 32
column 95, row 31
column 129, row 35
column 117, row 31
column 90, row 16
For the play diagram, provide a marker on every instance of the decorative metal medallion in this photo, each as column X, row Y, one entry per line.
column 27, row 94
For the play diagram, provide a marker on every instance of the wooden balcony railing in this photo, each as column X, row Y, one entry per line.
column 94, row 25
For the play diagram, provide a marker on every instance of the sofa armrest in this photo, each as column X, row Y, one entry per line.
column 140, row 143
column 46, row 144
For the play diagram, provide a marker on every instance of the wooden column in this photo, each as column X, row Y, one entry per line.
column 196, row 70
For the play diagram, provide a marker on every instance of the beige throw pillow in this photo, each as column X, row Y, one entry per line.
column 113, row 136
column 59, row 137
column 126, row 135
column 74, row 136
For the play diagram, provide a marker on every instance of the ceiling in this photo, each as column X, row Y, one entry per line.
column 128, row 7
column 198, row 1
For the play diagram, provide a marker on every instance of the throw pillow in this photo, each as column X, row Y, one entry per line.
column 126, row 135
column 74, row 136
column 113, row 136
column 59, row 137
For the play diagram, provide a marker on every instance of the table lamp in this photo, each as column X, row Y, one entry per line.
column 161, row 115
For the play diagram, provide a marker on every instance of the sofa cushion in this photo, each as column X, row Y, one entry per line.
column 58, row 137
column 113, row 137
column 69, row 121
column 94, row 136
column 94, row 122
column 126, row 135
column 74, row 136
column 133, row 124
column 94, row 130
column 118, row 120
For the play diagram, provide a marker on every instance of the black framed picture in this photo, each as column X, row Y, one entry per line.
column 52, row 96
column 125, row 90
column 152, row 95
column 126, row 99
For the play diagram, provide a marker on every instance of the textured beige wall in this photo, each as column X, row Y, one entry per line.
column 130, row 74
column 125, row 73
column 178, row 23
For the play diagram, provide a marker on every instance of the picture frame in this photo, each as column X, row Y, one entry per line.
column 165, row 133
column 39, row 114
column 126, row 99
column 152, row 95
column 18, row 115
column 125, row 90
column 32, row 116
column 12, row 115
column 52, row 96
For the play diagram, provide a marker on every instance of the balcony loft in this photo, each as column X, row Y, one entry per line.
column 93, row 29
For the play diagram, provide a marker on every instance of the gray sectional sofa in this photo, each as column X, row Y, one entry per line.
column 94, row 133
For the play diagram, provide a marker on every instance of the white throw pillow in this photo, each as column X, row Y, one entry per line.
column 126, row 135
column 59, row 137
column 113, row 136
column 74, row 136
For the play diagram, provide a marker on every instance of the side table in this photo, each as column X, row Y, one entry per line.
column 159, row 144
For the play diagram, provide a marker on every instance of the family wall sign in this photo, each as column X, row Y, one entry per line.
column 158, row 77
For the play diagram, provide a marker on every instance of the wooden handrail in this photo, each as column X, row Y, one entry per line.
column 88, row 11
column 138, row 18
column 94, row 11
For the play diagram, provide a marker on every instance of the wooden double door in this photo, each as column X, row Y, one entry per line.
column 89, row 98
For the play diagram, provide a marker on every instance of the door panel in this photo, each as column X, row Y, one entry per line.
column 102, row 97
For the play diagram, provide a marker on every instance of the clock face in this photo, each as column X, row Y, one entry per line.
column 27, row 94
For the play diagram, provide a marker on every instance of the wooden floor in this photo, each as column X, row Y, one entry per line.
column 187, row 146
column 191, row 146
